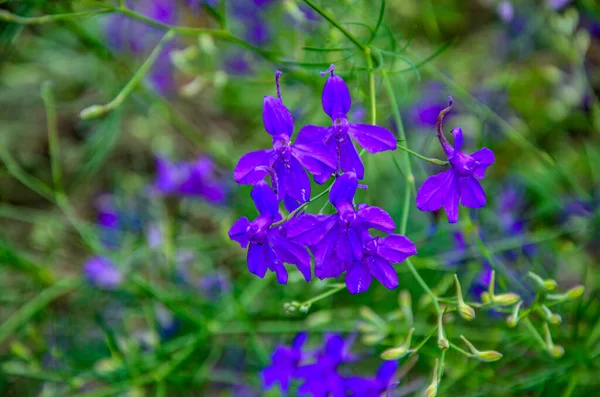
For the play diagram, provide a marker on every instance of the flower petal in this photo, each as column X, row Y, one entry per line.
column 277, row 118
column 358, row 278
column 395, row 248
column 472, row 194
column 316, row 157
column 252, row 167
column 343, row 189
column 384, row 272
column 376, row 218
column 372, row 138
column 458, row 138
column 295, row 181
column 435, row 190
column 485, row 158
column 257, row 263
column 336, row 97
column 275, row 264
column 349, row 159
column 452, row 199
column 238, row 231
column 310, row 229
column 291, row 252
column 309, row 134
column 265, row 200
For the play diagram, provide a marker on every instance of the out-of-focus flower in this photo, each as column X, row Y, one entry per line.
column 424, row 113
column 284, row 364
column 505, row 11
column 558, row 4
column 375, row 386
column 194, row 179
column 460, row 184
column 102, row 273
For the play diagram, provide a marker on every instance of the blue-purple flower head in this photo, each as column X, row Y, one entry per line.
column 189, row 179
column 286, row 162
column 459, row 184
column 284, row 364
column 102, row 273
column 337, row 102
column 341, row 242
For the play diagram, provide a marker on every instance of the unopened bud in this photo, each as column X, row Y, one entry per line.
column 487, row 356
column 291, row 307
column 443, row 343
column 507, row 299
column 547, row 285
column 466, row 311
column 432, row 389
column 575, row 292
column 398, row 352
column 513, row 319
column 556, row 351
column 552, row 318
column 405, row 302
column 485, row 297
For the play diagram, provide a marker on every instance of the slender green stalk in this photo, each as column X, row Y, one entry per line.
column 335, row 23
column 9, row 17
column 100, row 110
column 458, row 349
column 527, row 322
column 424, row 285
column 332, row 291
column 53, row 142
column 22, row 176
column 37, row 304
column 372, row 95
column 428, row 159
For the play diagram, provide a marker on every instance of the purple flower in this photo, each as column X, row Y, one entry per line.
column 424, row 113
column 284, row 364
column 505, row 11
column 459, row 184
column 194, row 179
column 268, row 246
column 341, row 241
column 369, row 387
column 285, row 162
column 102, row 273
column 337, row 103
column 558, row 4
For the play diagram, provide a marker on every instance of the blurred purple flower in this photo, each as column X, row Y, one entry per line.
column 189, row 179
column 459, row 184
column 102, row 273
column 374, row 386
column 284, row 364
column 505, row 11
column 425, row 112
column 558, row 4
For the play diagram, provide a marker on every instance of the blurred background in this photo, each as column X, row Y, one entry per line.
column 117, row 275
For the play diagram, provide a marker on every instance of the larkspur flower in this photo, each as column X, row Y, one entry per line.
column 268, row 246
column 505, row 10
column 337, row 102
column 193, row 179
column 459, row 184
column 375, row 386
column 102, row 273
column 284, row 364
column 341, row 241
column 285, row 162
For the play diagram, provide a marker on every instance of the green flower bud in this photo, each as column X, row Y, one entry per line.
column 443, row 343
column 398, row 352
column 546, row 285
column 466, row 311
column 432, row 389
column 575, row 292
column 507, row 299
column 485, row 297
column 550, row 285
column 487, row 356
column 513, row 319
column 552, row 318
column 556, row 351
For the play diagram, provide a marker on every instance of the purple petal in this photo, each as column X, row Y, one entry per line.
column 395, row 248
column 384, row 272
column 310, row 134
column 101, row 272
column 343, row 189
column 295, row 181
column 435, row 190
column 349, row 159
column 265, row 200
column 327, row 264
column 485, row 158
column 275, row 264
column 358, row 278
column 386, row 372
column 336, row 97
column 316, row 158
column 310, row 229
column 290, row 203
column 238, row 231
column 471, row 192
column 257, row 262
column 291, row 252
column 451, row 203
column 373, row 138
column 277, row 118
column 458, row 138
column 376, row 218
column 252, row 167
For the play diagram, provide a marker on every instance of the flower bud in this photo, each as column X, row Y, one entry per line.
column 485, row 297
column 556, row 351
column 513, row 319
column 552, row 318
column 487, row 356
column 443, row 343
column 507, row 299
column 575, row 292
column 466, row 311
column 398, row 352
column 547, row 285
column 432, row 389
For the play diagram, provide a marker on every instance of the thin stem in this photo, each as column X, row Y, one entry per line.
column 335, row 23
column 53, row 142
column 458, row 349
column 302, row 206
column 100, row 110
column 424, row 285
column 9, row 17
column 428, row 159
column 527, row 322
column 332, row 291
column 373, row 103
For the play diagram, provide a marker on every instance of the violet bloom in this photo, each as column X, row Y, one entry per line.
column 285, row 162
column 558, row 4
column 505, row 11
column 459, row 184
column 337, row 103
column 102, row 273
column 322, row 378
column 284, row 364
column 341, row 241
column 194, row 179
column 268, row 247
column 369, row 387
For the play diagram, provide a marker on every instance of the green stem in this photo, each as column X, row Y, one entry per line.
column 335, row 23
column 53, row 142
column 37, row 304
column 100, row 110
column 303, row 206
column 332, row 291
column 458, row 349
column 428, row 159
column 22, row 176
column 373, row 102
column 527, row 322
column 9, row 17
column 424, row 285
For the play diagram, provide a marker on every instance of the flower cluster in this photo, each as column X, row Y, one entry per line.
column 318, row 371
column 340, row 242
